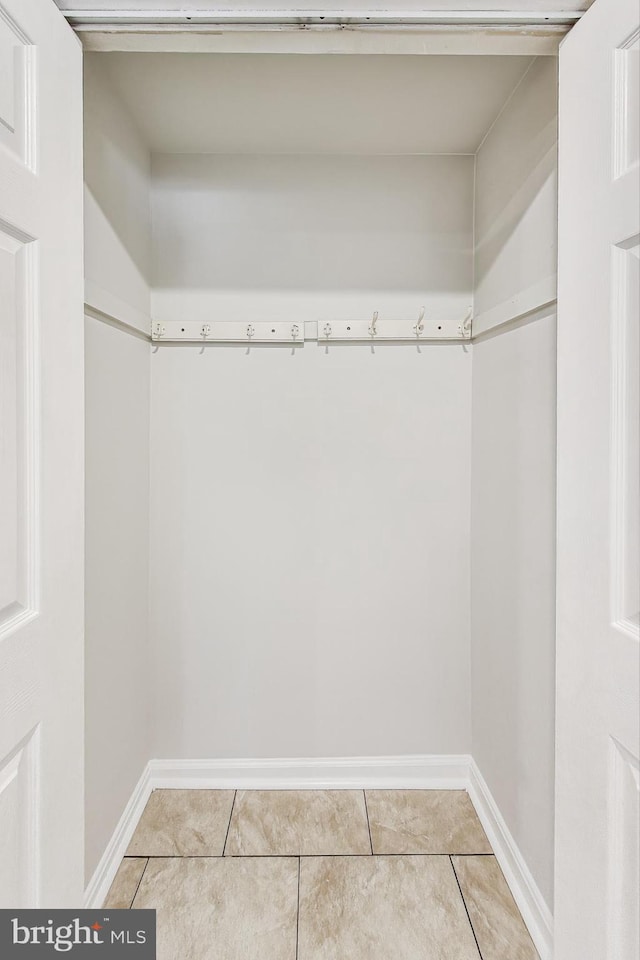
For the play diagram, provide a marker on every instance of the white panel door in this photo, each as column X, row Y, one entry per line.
column 598, row 708
column 41, row 458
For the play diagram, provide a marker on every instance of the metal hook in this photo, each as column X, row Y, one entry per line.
column 373, row 325
column 205, row 330
column 464, row 328
column 418, row 327
column 295, row 330
column 250, row 331
column 327, row 330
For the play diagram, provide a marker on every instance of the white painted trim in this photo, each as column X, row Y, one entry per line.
column 538, row 297
column 320, row 17
column 326, row 773
column 110, row 308
column 106, row 870
column 531, row 903
column 539, row 313
column 93, row 314
column 457, row 40
column 417, row 772
column 438, row 772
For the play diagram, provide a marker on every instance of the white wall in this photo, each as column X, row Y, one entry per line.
column 513, row 470
column 513, row 582
column 304, row 238
column 117, row 242
column 118, row 689
column 516, row 203
column 310, row 550
column 310, row 512
column 116, row 199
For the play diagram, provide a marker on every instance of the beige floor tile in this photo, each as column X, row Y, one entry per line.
column 496, row 919
column 382, row 908
column 125, row 883
column 222, row 909
column 298, row 822
column 424, row 821
column 183, row 823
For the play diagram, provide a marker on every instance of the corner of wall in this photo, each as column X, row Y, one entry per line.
column 117, row 387
column 513, row 467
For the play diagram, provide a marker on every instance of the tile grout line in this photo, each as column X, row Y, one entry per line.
column 291, row 856
column 366, row 810
column 226, row 836
column 298, row 912
column 144, row 870
column 464, row 903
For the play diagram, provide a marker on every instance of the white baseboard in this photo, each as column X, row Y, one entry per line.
column 530, row 901
column 116, row 848
column 428, row 772
column 437, row 772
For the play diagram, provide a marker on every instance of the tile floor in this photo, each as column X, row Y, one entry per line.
column 320, row 875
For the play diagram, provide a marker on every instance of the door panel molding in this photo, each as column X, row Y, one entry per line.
column 19, row 815
column 19, row 399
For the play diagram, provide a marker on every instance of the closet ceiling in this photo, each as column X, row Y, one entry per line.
column 274, row 104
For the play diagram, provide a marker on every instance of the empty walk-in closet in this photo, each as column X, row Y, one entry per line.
column 338, row 446
column 322, row 547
